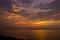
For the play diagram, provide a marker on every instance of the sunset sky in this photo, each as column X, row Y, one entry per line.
column 29, row 13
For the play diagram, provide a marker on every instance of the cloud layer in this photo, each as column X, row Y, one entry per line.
column 28, row 12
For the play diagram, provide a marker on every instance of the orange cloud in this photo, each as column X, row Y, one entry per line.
column 16, row 9
column 20, row 23
column 11, row 16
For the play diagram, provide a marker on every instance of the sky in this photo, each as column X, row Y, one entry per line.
column 33, row 13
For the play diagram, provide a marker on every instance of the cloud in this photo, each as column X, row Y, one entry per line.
column 6, row 3
column 24, row 15
column 55, row 5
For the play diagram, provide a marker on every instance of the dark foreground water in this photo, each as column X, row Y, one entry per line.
column 32, row 34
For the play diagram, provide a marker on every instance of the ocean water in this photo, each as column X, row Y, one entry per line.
column 32, row 34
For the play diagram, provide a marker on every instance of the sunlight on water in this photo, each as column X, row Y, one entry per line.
column 33, row 34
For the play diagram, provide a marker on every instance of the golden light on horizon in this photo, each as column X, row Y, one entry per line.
column 22, row 21
column 39, row 23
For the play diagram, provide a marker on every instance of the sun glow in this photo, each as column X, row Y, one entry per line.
column 39, row 23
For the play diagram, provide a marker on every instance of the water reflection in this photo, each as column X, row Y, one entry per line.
column 33, row 34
